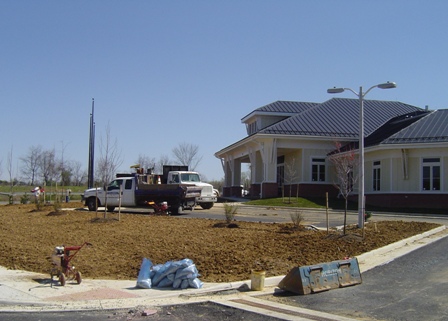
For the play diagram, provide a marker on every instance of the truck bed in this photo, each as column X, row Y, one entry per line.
column 165, row 192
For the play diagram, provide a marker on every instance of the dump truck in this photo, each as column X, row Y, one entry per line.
column 142, row 190
column 179, row 174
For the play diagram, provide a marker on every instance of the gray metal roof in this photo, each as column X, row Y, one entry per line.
column 430, row 129
column 284, row 107
column 339, row 117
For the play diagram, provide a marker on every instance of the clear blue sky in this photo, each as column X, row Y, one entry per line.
column 167, row 72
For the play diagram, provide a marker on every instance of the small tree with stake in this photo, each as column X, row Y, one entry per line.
column 345, row 163
column 291, row 176
column 110, row 160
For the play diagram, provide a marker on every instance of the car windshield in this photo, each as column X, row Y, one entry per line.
column 190, row 177
column 114, row 184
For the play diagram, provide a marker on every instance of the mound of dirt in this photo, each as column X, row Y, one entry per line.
column 28, row 238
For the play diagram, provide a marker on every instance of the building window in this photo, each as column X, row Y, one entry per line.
column 377, row 176
column 431, row 174
column 318, row 169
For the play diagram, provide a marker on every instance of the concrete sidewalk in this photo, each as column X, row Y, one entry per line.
column 27, row 291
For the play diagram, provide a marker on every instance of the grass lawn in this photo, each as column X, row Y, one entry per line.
column 334, row 203
column 51, row 191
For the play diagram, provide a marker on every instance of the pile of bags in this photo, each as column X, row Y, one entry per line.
column 176, row 274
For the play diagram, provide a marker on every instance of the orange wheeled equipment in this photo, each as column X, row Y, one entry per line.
column 62, row 269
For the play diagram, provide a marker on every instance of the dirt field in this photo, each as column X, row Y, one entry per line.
column 221, row 254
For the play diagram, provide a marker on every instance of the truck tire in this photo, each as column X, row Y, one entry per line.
column 207, row 206
column 175, row 210
column 92, row 204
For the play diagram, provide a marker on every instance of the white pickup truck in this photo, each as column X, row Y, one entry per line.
column 208, row 196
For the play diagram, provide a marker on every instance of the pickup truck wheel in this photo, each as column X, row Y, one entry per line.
column 206, row 206
column 91, row 204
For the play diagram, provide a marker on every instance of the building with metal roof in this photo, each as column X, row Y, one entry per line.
column 290, row 143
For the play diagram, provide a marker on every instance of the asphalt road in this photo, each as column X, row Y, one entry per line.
column 198, row 311
column 413, row 287
column 316, row 217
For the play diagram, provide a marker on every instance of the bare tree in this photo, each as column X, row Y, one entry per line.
column 109, row 161
column 163, row 160
column 187, row 154
column 65, row 170
column 48, row 166
column 345, row 163
column 78, row 174
column 291, row 175
column 66, row 173
column 110, row 158
column 12, row 179
column 30, row 164
column 146, row 161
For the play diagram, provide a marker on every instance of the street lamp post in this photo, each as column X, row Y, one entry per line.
column 361, row 95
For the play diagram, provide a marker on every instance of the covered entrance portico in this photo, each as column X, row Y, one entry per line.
column 261, row 155
column 274, row 163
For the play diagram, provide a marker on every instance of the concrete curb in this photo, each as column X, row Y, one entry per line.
column 392, row 251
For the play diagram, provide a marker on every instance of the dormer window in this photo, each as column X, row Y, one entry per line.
column 252, row 128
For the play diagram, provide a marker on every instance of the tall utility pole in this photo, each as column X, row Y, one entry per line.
column 90, row 178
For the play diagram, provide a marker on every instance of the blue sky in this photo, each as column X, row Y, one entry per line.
column 167, row 72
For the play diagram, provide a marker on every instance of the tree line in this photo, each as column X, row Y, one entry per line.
column 41, row 166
